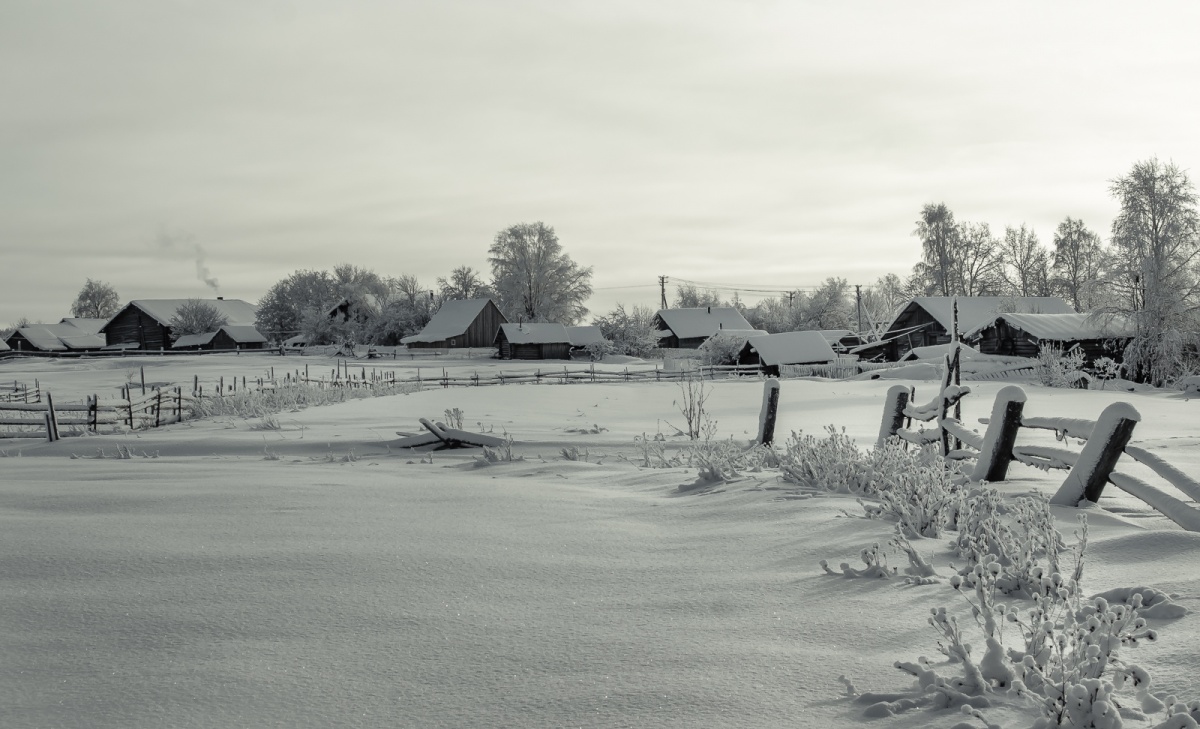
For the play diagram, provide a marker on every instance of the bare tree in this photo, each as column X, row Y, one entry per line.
column 1026, row 264
column 1155, row 245
column 882, row 301
column 977, row 269
column 1078, row 264
column 464, row 283
column 534, row 279
column 96, row 300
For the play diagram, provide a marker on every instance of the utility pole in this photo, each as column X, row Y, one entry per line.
column 662, row 286
column 858, row 296
column 791, row 298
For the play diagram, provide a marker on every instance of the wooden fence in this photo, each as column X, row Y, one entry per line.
column 1090, row 470
column 20, row 392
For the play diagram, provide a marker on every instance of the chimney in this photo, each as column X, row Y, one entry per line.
column 220, row 298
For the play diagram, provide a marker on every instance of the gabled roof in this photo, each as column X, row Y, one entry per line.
column 162, row 311
column 41, row 337
column 451, row 320
column 85, row 325
column 975, row 312
column 792, row 348
column 82, row 341
column 535, row 333
column 833, row 336
column 1068, row 327
column 193, row 340
column 4, row 347
column 938, row 352
column 584, row 335
column 702, row 321
column 243, row 333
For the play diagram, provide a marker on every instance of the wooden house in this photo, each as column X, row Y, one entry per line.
column 146, row 323
column 929, row 320
column 769, row 351
column 460, row 323
column 1023, row 335
column 689, row 328
column 533, row 341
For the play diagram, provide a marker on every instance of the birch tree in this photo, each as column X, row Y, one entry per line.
column 534, row 279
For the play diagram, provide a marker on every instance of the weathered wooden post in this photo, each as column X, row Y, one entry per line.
column 158, row 409
column 1099, row 456
column 51, row 420
column 893, row 413
column 1001, row 435
column 143, row 371
column 222, row 386
column 93, row 413
column 766, row 416
column 195, row 383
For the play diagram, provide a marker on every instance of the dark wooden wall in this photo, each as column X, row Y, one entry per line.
column 132, row 325
column 480, row 333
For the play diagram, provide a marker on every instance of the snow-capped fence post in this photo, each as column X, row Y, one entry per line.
column 94, row 412
column 1001, row 435
column 766, row 417
column 893, row 413
column 1099, row 456
column 143, row 371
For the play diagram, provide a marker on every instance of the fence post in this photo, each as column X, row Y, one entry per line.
column 93, row 412
column 158, row 409
column 51, row 420
column 1001, row 435
column 1099, row 456
column 143, row 371
column 893, row 413
column 766, row 416
column 179, row 404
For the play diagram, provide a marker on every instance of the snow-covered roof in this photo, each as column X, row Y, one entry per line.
column 938, row 352
column 85, row 325
column 792, row 348
column 833, row 336
column 975, row 312
column 583, row 336
column 1068, row 327
column 4, row 347
column 243, row 333
column 297, row 341
column 702, row 321
column 193, row 340
column 535, row 333
column 451, row 320
column 235, row 311
column 42, row 338
column 82, row 340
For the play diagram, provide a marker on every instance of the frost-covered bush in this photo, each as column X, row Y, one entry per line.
column 1105, row 369
column 914, row 487
column 1056, row 368
column 284, row 398
column 1019, row 541
column 693, row 394
column 724, row 460
column 722, row 348
column 597, row 351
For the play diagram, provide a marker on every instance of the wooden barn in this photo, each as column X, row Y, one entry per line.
column 459, row 323
column 769, row 351
column 1022, row 335
column 146, row 323
column 689, row 328
column 230, row 337
column 929, row 320
column 533, row 341
column 69, row 335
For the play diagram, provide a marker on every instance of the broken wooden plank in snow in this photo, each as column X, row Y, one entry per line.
column 448, row 438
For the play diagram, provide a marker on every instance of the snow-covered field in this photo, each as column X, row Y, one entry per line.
column 317, row 576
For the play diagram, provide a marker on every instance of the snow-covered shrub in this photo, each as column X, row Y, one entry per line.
column 1019, row 542
column 652, row 453
column 1105, row 369
column 722, row 348
column 262, row 403
column 1056, row 368
column 499, row 454
column 725, row 460
column 597, row 351
column 454, row 417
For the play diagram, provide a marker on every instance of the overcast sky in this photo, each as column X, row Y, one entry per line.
column 753, row 143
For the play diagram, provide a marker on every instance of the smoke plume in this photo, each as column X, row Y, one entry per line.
column 185, row 243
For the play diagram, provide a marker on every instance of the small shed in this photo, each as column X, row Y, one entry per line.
column 146, row 323
column 533, row 341
column 459, row 323
column 229, row 337
column 1022, row 335
column 582, row 336
column 689, row 328
column 769, row 351
column 64, row 336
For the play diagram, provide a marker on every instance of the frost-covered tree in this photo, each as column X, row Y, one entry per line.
column 281, row 311
column 96, row 300
column 1153, row 267
column 196, row 316
column 977, row 269
column 829, row 307
column 1078, row 262
column 882, row 301
column 631, row 332
column 688, row 296
column 534, row 279
column 1025, row 267
column 464, row 283
column 939, row 236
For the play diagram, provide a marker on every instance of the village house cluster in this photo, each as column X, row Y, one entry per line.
column 993, row 326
